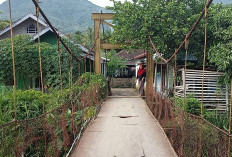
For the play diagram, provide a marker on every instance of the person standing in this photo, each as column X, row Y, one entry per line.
column 141, row 76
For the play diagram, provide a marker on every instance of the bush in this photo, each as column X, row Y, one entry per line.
column 220, row 120
column 192, row 105
column 29, row 102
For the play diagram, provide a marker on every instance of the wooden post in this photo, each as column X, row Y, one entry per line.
column 150, row 70
column 97, row 56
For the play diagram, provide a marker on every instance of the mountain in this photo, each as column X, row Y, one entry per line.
column 66, row 15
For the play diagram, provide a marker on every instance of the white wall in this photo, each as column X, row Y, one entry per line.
column 21, row 28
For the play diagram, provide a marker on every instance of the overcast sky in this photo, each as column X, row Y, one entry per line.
column 104, row 3
column 101, row 3
column 1, row 1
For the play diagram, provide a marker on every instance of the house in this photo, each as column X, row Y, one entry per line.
column 131, row 59
column 215, row 96
column 126, row 77
column 27, row 25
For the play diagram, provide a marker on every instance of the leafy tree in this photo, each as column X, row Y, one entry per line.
column 27, row 61
column 115, row 64
column 166, row 22
column 3, row 23
column 85, row 38
column 220, row 52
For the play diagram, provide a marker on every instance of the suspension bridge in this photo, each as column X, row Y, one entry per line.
column 126, row 125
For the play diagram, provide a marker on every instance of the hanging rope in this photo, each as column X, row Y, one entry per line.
column 14, row 75
column 156, row 71
column 79, row 68
column 185, row 67
column 192, row 30
column 90, row 65
column 174, row 79
column 156, row 50
column 184, row 101
column 85, row 66
column 60, row 70
column 203, row 80
column 229, row 142
column 205, row 46
column 71, row 95
column 167, row 82
column 41, row 76
column 161, row 76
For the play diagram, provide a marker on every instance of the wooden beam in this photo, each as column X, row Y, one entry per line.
column 103, row 16
column 97, row 56
column 106, row 23
column 108, row 46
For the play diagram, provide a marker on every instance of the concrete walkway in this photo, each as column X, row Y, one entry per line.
column 124, row 128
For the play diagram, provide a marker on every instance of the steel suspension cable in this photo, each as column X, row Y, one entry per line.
column 14, row 75
column 41, row 77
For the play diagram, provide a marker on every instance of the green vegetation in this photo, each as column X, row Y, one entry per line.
column 166, row 22
column 27, row 62
column 221, row 50
column 193, row 106
column 3, row 23
column 58, row 118
column 85, row 38
column 29, row 102
column 115, row 64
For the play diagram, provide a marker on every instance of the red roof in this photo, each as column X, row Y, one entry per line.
column 132, row 55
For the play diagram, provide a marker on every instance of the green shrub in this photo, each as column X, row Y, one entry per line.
column 220, row 120
column 192, row 105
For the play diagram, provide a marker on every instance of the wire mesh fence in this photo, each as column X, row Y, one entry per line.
column 50, row 134
column 190, row 135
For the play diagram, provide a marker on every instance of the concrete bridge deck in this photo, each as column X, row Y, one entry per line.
column 124, row 128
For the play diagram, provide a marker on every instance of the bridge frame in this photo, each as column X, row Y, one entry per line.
column 100, row 18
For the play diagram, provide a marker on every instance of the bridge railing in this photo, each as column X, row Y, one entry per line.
column 50, row 134
column 190, row 135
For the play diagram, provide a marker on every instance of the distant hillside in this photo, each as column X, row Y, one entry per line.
column 66, row 15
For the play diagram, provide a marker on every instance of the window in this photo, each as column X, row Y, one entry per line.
column 32, row 29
